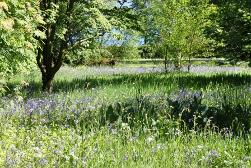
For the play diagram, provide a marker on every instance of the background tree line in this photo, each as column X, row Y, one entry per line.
column 49, row 33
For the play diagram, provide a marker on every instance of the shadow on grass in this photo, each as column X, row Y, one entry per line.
column 182, row 80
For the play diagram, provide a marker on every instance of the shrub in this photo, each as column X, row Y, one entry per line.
column 124, row 51
column 88, row 57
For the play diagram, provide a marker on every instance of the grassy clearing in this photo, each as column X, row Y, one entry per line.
column 128, row 120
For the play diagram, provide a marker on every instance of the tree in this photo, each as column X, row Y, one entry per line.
column 18, row 21
column 148, row 28
column 123, row 44
column 150, row 33
column 181, row 26
column 233, row 29
column 68, row 25
column 197, row 18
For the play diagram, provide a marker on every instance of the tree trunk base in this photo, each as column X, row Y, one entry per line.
column 47, row 85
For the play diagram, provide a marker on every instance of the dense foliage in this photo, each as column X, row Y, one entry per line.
column 181, row 26
column 233, row 29
column 67, row 26
column 17, row 25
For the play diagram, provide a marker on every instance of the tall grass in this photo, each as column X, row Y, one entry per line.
column 127, row 120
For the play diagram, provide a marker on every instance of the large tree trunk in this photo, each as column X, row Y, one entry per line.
column 47, row 83
column 48, row 69
column 52, row 49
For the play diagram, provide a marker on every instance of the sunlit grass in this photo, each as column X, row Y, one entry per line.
column 83, row 123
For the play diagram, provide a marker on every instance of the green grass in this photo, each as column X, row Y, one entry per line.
column 65, row 147
column 102, row 120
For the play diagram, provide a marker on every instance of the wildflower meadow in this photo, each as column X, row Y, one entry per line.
column 112, row 117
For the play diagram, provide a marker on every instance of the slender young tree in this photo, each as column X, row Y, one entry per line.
column 181, row 26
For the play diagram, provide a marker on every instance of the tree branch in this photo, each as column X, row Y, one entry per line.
column 39, row 63
column 63, row 43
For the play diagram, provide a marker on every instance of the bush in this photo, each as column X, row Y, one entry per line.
column 102, row 55
column 88, row 57
column 150, row 51
column 124, row 52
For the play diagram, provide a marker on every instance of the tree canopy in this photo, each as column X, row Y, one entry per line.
column 233, row 29
column 68, row 25
column 181, row 26
column 18, row 20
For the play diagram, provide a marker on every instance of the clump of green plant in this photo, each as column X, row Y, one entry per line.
column 185, row 108
column 226, row 114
